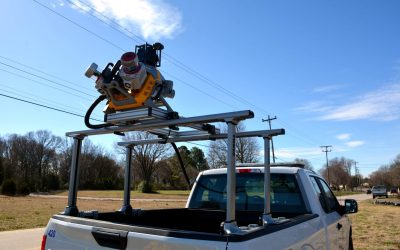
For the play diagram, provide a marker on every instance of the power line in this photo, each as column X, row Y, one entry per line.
column 29, row 96
column 80, row 26
column 45, row 73
column 41, row 83
column 200, row 90
column 44, row 106
column 46, row 79
column 136, row 38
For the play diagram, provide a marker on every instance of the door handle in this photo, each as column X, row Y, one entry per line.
column 339, row 226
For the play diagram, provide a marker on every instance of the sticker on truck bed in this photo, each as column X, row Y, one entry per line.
column 51, row 233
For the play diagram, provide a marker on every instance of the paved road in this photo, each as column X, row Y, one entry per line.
column 27, row 239
column 357, row 197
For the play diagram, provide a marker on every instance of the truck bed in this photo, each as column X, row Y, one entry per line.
column 182, row 222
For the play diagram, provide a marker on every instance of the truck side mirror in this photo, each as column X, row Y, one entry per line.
column 351, row 206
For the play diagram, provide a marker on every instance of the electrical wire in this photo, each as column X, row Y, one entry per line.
column 30, row 95
column 80, row 26
column 44, row 84
column 45, row 73
column 46, row 79
column 44, row 106
column 200, row 90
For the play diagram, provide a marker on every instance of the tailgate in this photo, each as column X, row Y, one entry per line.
column 78, row 233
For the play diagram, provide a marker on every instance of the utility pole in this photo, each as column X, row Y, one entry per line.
column 357, row 173
column 272, row 142
column 327, row 149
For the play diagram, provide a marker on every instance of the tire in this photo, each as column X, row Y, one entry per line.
column 373, row 196
column 387, row 196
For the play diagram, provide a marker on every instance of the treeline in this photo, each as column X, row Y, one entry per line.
column 40, row 162
column 343, row 175
column 388, row 175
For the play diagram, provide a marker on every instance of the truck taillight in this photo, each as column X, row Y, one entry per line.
column 248, row 170
column 44, row 238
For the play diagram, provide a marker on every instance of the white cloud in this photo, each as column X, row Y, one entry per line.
column 327, row 88
column 154, row 19
column 354, row 144
column 299, row 152
column 343, row 137
column 314, row 107
column 381, row 104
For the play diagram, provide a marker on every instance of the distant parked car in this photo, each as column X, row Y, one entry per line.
column 394, row 190
column 369, row 191
column 379, row 191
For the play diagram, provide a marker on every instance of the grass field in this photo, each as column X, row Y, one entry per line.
column 374, row 226
column 31, row 212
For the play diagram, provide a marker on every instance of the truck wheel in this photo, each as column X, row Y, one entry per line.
column 373, row 196
column 386, row 196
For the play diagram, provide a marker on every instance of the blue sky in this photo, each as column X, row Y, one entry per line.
column 329, row 70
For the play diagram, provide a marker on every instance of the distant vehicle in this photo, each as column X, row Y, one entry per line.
column 369, row 191
column 394, row 190
column 378, row 191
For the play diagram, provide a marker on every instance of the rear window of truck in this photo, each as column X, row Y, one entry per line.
column 210, row 193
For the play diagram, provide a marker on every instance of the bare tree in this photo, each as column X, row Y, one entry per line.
column 246, row 149
column 388, row 175
column 307, row 164
column 146, row 157
column 339, row 174
column 44, row 155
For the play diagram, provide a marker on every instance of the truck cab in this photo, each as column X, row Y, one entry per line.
column 294, row 192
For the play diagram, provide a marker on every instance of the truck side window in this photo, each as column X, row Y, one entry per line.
column 318, row 192
column 330, row 197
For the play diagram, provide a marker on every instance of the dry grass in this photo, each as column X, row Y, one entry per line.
column 376, row 226
column 31, row 212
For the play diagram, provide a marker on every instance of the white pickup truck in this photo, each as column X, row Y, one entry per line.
column 306, row 215
column 232, row 208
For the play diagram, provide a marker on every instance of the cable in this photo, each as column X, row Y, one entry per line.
column 89, row 112
column 50, row 86
column 178, row 154
column 80, row 26
column 44, row 78
column 44, row 106
column 201, row 91
column 45, row 73
column 18, row 92
column 136, row 38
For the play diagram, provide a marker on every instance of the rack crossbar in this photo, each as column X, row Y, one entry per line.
column 188, row 121
column 258, row 133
